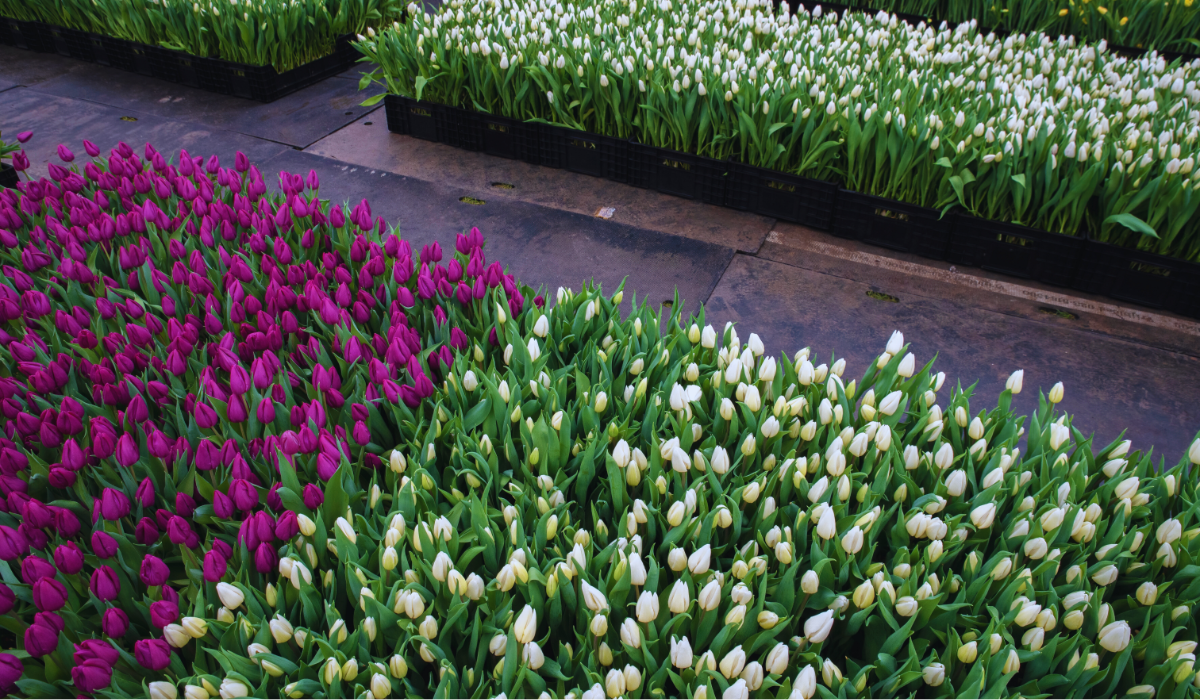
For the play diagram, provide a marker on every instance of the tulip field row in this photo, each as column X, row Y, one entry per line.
column 257, row 445
column 1027, row 129
column 283, row 34
column 1173, row 25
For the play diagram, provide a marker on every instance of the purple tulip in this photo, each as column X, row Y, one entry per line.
column 104, row 545
column 287, row 526
column 114, row 505
column 92, row 149
column 153, row 654
column 146, row 532
column 145, row 493
column 40, row 640
column 11, row 671
column 24, row 136
column 95, row 649
column 326, row 467
column 179, row 530
column 163, row 613
column 69, row 558
column 115, row 623
column 65, row 153
column 154, row 571
column 208, row 455
column 92, row 675
column 7, row 599
column 222, row 505
column 243, row 493
column 206, row 417
column 127, row 450
column 215, row 565
column 72, row 455
column 34, row 568
column 266, row 559
column 105, row 584
column 52, row 620
column 313, row 496
column 65, row 522
column 49, row 594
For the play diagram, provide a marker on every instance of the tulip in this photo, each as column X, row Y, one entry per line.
column 1114, row 636
column 818, row 627
column 231, row 596
column 934, row 674
column 681, row 653
column 525, row 628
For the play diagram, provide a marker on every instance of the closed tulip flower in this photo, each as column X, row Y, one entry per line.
column 852, row 541
column 525, row 628
column 983, row 516
column 1114, row 636
column 967, row 652
column 777, row 660
column 806, row 683
column 710, row 596
column 679, row 600
column 231, row 596
column 864, row 595
column 698, row 562
column 818, row 627
column 906, row 606
column 809, row 582
column 681, row 653
column 647, row 607
column 1105, row 576
column 630, row 634
column 934, row 674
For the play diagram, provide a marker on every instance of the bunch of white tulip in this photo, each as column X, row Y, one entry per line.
column 1026, row 128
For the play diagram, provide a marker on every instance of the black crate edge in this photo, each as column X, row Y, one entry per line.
column 1016, row 250
column 782, row 196
column 680, row 174
column 422, row 120
column 9, row 177
column 1139, row 277
column 584, row 152
column 895, row 225
column 31, row 36
column 259, row 83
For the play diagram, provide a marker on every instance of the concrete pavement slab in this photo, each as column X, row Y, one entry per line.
column 298, row 119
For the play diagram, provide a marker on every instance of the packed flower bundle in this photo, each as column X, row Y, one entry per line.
column 191, row 367
column 1153, row 24
column 1021, row 129
column 284, row 34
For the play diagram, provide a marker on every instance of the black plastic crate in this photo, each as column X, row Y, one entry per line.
column 422, row 120
column 98, row 49
column 680, row 174
column 494, row 135
column 583, row 152
column 782, row 196
column 131, row 56
column 1016, row 250
column 6, row 32
column 31, row 36
column 72, row 43
column 1136, row 276
column 265, row 84
column 173, row 66
column 891, row 224
column 8, row 176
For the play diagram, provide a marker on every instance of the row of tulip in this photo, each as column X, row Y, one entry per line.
column 1172, row 25
column 215, row 483
column 1023, row 129
column 284, row 34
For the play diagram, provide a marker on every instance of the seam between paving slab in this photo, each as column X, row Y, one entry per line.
column 1012, row 289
